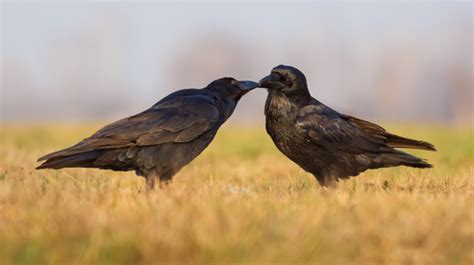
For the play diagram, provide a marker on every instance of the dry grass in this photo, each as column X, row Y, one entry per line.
column 240, row 202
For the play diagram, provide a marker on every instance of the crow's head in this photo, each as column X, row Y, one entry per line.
column 286, row 79
column 229, row 87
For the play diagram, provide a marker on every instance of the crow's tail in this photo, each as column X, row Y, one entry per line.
column 399, row 158
column 75, row 160
column 415, row 162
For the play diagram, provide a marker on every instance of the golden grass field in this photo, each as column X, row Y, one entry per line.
column 240, row 202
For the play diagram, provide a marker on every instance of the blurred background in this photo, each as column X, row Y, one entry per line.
column 386, row 61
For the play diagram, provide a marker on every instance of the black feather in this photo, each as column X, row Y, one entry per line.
column 159, row 141
column 76, row 160
column 323, row 141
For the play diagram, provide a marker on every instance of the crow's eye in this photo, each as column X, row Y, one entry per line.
column 234, row 82
column 286, row 80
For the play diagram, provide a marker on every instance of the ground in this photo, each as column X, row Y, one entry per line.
column 240, row 202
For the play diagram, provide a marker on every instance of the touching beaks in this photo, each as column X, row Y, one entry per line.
column 268, row 80
column 247, row 85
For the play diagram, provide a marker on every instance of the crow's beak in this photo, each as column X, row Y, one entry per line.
column 247, row 85
column 268, row 80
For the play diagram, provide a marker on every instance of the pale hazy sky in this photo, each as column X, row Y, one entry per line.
column 139, row 42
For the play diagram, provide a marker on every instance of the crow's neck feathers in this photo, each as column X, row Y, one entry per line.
column 224, row 100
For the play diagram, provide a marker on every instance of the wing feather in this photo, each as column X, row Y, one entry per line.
column 177, row 119
column 336, row 132
column 350, row 134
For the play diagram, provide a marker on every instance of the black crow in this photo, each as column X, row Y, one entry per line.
column 324, row 142
column 158, row 142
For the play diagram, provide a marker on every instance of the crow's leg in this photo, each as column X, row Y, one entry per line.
column 327, row 179
column 165, row 179
column 330, row 181
column 150, row 180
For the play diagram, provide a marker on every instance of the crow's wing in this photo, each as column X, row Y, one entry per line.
column 390, row 139
column 350, row 134
column 338, row 132
column 177, row 119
